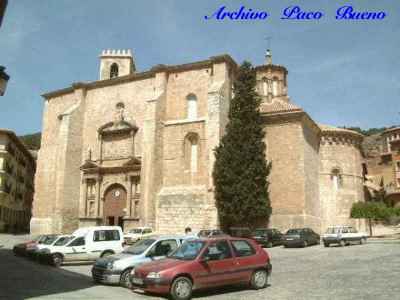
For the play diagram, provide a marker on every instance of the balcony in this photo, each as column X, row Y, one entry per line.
column 8, row 168
column 5, row 187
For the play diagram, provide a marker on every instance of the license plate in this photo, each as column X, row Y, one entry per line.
column 289, row 239
column 137, row 280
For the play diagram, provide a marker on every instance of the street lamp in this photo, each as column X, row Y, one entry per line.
column 3, row 80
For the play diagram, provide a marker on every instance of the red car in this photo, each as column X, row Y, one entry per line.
column 205, row 263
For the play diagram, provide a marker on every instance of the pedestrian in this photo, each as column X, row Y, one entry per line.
column 188, row 231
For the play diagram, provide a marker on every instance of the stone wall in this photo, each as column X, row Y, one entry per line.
column 311, row 136
column 342, row 154
column 292, row 147
column 183, row 206
column 50, row 174
column 286, row 153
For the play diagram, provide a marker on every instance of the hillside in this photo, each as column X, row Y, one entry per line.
column 32, row 141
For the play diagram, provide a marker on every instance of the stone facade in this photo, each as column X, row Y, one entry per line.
column 146, row 141
column 383, row 165
column 17, row 170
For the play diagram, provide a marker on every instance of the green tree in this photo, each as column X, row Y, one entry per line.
column 241, row 170
column 371, row 211
column 32, row 141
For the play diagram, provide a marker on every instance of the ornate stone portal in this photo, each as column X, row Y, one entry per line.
column 111, row 184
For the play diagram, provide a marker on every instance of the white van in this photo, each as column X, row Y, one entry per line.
column 136, row 234
column 87, row 244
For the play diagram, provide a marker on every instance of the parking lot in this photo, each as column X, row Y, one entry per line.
column 370, row 271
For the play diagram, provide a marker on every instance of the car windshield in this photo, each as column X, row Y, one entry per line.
column 332, row 230
column 260, row 232
column 42, row 238
column 135, row 231
column 49, row 240
column 63, row 240
column 294, row 231
column 139, row 247
column 189, row 250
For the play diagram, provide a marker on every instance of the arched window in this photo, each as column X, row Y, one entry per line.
column 264, row 86
column 192, row 152
column 114, row 70
column 336, row 177
column 275, row 87
column 191, row 107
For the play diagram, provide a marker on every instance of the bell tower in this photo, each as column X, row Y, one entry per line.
column 116, row 63
column 271, row 80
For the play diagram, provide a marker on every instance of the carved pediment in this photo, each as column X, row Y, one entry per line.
column 133, row 162
column 120, row 126
column 89, row 164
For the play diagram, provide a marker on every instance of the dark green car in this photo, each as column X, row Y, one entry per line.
column 300, row 237
column 268, row 237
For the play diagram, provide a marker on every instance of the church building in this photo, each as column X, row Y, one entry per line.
column 136, row 148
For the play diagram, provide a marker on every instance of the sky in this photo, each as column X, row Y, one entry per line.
column 341, row 72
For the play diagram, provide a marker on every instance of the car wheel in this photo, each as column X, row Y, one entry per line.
column 259, row 279
column 57, row 260
column 326, row 244
column 305, row 244
column 363, row 241
column 124, row 279
column 107, row 253
column 181, row 288
column 342, row 243
column 269, row 245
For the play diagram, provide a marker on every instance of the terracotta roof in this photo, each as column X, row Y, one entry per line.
column 279, row 106
column 329, row 128
column 391, row 129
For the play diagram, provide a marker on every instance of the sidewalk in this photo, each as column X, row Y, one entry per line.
column 9, row 240
column 392, row 238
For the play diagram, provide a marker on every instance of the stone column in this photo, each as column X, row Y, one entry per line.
column 129, row 197
column 84, row 200
column 99, row 200
column 133, row 143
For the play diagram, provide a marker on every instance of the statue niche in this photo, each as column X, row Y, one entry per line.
column 117, row 137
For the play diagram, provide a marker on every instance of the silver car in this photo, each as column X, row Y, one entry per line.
column 115, row 269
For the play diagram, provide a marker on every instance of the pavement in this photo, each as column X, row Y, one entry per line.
column 369, row 271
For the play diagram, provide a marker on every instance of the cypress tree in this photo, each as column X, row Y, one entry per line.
column 241, row 170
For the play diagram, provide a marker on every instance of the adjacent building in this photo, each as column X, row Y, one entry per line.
column 17, row 170
column 383, row 164
column 137, row 148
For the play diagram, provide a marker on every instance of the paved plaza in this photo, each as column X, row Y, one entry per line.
column 365, row 272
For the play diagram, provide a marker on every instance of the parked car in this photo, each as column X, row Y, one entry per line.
column 87, row 244
column 343, row 235
column 22, row 248
column 242, row 232
column 137, row 233
column 115, row 269
column 268, row 237
column 58, row 241
column 205, row 263
column 31, row 252
column 300, row 237
column 49, row 241
column 206, row 233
